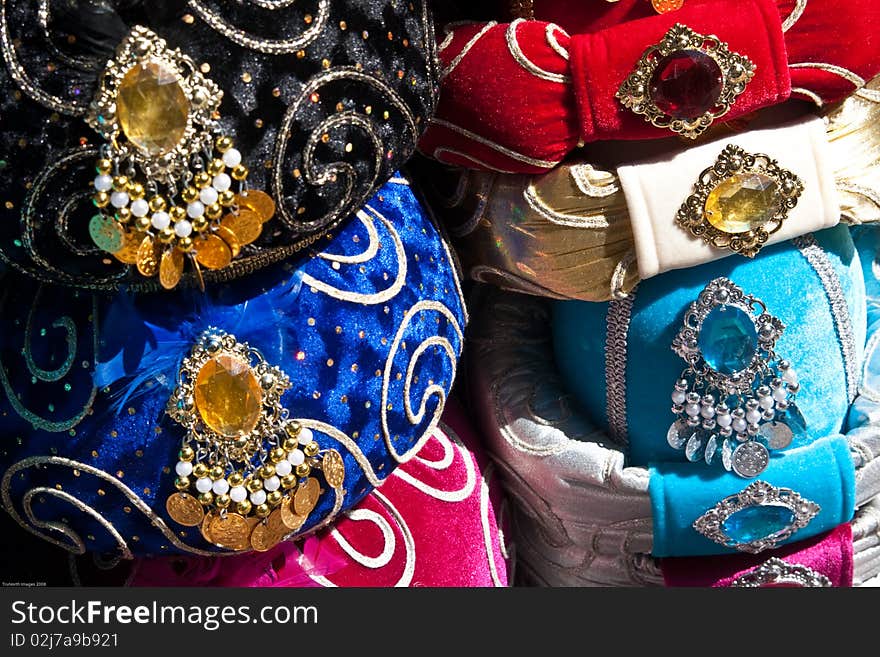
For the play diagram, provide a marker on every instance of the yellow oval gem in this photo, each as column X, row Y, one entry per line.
column 153, row 110
column 228, row 396
column 743, row 202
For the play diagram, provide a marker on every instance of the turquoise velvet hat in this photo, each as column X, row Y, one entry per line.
column 616, row 360
column 367, row 327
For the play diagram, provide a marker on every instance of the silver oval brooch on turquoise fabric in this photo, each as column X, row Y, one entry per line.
column 735, row 398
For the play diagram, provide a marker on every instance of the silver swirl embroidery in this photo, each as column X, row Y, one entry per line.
column 821, row 264
column 321, row 175
column 369, row 298
column 267, row 46
column 433, row 389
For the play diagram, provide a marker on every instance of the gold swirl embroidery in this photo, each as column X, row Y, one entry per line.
column 517, row 53
column 519, row 157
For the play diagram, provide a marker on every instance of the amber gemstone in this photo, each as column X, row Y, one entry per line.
column 152, row 108
column 686, row 84
column 743, row 202
column 228, row 397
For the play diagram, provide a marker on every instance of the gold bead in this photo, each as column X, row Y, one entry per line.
column 263, row 510
column 189, row 194
column 288, row 481
column 202, row 180
column 166, row 235
column 104, row 166
column 253, row 485
column 123, row 215
column 277, row 455
column 289, row 444
column 200, row 224
column 120, row 184
column 223, row 501
column 244, row 507
column 101, row 199
column 177, row 213
column 158, row 204
column 240, row 172
column 274, row 498
column 224, row 144
column 216, row 472
column 187, row 454
column 267, row 471
column 142, row 224
column 216, row 167
column 303, row 470
column 236, row 479
column 136, row 191
column 181, row 483
column 214, row 211
column 206, row 499
column 200, row 470
column 311, row 449
column 293, row 429
column 227, row 198
column 186, row 245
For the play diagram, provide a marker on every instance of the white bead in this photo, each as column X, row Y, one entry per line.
column 790, row 376
column 707, row 412
column 691, row 409
column 204, row 485
column 209, row 196
column 161, row 220
column 739, row 425
column 195, row 209
column 753, row 417
column 678, row 397
column 183, row 468
column 103, row 183
column 305, row 436
column 140, row 208
column 221, row 487
column 119, row 199
column 724, row 420
column 766, row 403
column 272, row 483
column 296, row 457
column 222, row 182
column 238, row 494
column 183, row 228
column 284, row 468
column 258, row 497
column 780, row 394
column 232, row 158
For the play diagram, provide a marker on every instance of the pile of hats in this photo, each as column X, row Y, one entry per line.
column 231, row 310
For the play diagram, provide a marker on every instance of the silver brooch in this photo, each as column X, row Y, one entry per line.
column 757, row 519
column 736, row 398
column 778, row 573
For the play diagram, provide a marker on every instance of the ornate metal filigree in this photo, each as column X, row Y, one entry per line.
column 776, row 572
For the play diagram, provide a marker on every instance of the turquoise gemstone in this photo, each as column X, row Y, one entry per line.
column 795, row 420
column 728, row 339
column 756, row 522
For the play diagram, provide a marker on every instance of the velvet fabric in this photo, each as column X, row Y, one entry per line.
column 792, row 291
column 434, row 522
column 517, row 97
column 368, row 327
column 829, row 554
column 361, row 72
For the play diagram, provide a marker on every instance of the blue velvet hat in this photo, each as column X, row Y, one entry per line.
column 360, row 338
column 618, row 362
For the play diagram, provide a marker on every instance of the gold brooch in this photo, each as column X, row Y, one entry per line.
column 686, row 81
column 245, row 470
column 740, row 201
column 166, row 173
